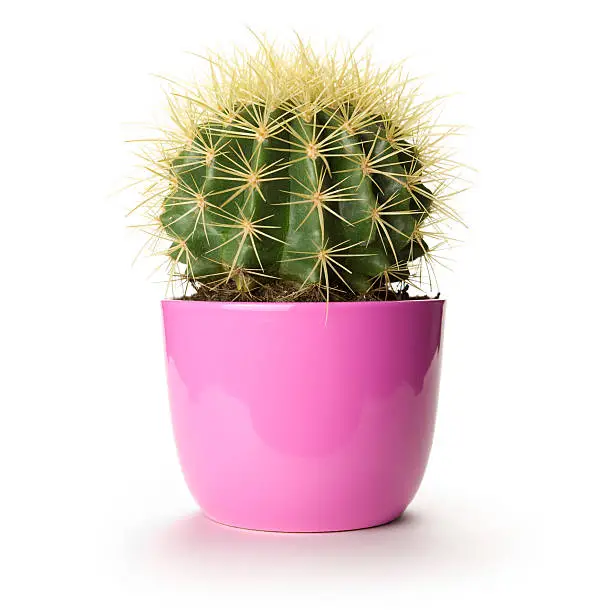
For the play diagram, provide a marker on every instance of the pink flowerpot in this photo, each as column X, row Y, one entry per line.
column 288, row 420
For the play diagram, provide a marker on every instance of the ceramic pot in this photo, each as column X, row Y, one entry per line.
column 303, row 416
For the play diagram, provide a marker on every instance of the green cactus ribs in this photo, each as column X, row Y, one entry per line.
column 273, row 194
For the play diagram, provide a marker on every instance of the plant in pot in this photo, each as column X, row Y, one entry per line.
column 299, row 200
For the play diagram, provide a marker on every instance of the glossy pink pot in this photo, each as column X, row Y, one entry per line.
column 288, row 420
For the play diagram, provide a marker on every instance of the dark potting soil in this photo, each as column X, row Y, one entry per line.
column 286, row 291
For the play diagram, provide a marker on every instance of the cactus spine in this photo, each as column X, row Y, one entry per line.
column 316, row 170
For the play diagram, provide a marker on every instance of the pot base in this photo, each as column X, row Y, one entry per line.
column 339, row 530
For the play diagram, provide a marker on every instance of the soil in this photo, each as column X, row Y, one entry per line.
column 286, row 291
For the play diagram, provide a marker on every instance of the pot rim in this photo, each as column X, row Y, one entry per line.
column 285, row 305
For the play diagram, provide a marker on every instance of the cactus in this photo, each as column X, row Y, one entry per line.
column 323, row 172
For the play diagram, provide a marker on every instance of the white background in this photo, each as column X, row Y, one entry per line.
column 514, row 512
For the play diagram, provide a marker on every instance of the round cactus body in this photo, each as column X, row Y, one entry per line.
column 309, row 170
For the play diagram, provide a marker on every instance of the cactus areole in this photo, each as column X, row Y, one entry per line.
column 318, row 181
column 319, row 173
